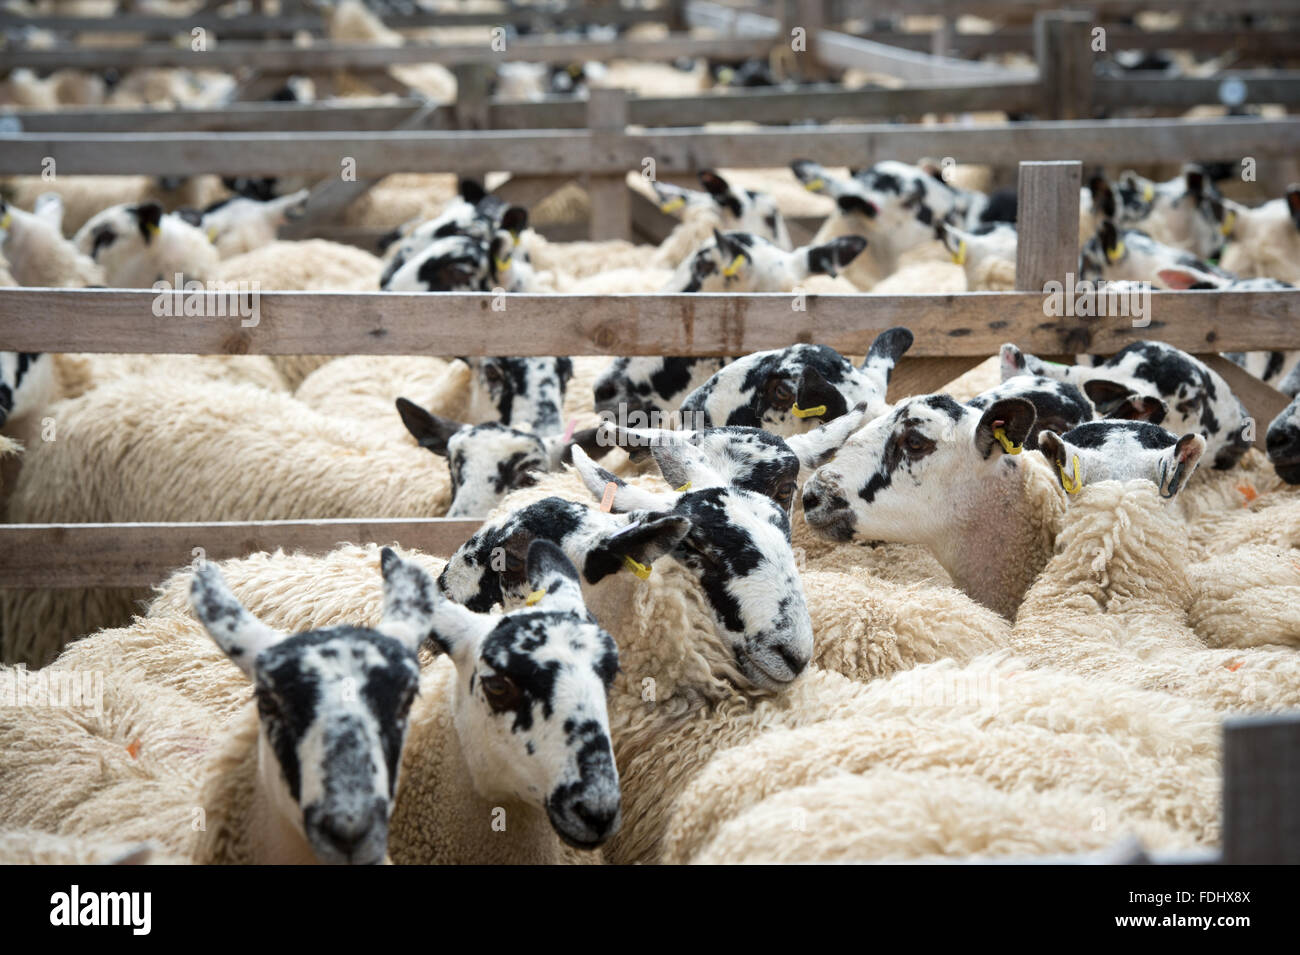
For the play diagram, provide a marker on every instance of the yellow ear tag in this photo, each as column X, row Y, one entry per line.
column 817, row 185
column 212, row 234
column 1008, row 445
column 672, row 205
column 1148, row 192
column 152, row 228
column 1115, row 254
column 1071, row 485
column 734, row 267
column 641, row 570
column 812, row 412
column 959, row 257
column 1229, row 220
column 503, row 265
column 4, row 223
column 684, row 487
column 535, row 596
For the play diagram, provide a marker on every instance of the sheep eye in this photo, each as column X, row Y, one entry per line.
column 785, row 493
column 514, row 563
column 524, row 478
column 915, row 442
column 502, row 693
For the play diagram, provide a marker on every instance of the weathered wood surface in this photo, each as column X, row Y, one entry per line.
column 1047, row 241
column 549, row 152
column 845, row 52
column 1261, row 790
column 138, row 555
column 356, row 323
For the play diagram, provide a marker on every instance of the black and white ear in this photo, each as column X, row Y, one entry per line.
column 1179, row 463
column 1293, row 203
column 815, row 397
column 671, row 198
column 885, row 350
column 1103, row 198
column 720, row 191
column 239, row 634
column 811, row 174
column 472, row 191
column 515, row 220
column 550, row 571
column 814, row 448
column 729, row 249
column 682, row 462
column 1135, row 407
column 645, row 540
column 149, row 217
column 1052, row 446
column 430, row 430
column 1011, row 361
column 828, row 259
column 1013, row 418
column 851, row 204
column 189, row 215
column 415, row 610
column 619, row 495
column 1108, row 236
column 1106, row 395
column 1194, row 178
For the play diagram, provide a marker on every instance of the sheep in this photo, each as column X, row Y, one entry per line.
column 138, row 246
column 86, row 196
column 158, row 464
column 744, row 262
column 1196, row 398
column 1180, row 213
column 1116, row 255
column 790, row 390
column 1058, row 405
column 651, row 384
column 1121, row 451
column 728, row 209
column 1264, row 241
column 987, row 255
column 36, row 252
column 238, row 224
column 1283, row 441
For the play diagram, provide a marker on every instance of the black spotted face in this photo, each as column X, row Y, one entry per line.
column 1283, row 443
column 524, row 393
column 455, row 263
column 740, row 262
column 1123, row 451
column 487, row 462
column 650, row 385
column 18, row 373
column 1060, row 406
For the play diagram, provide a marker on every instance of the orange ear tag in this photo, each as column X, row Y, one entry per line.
column 607, row 501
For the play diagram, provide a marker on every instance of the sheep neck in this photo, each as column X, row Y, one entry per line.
column 1001, row 537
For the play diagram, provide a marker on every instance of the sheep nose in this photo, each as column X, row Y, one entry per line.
column 810, row 497
column 347, row 830
column 1278, row 439
column 599, row 819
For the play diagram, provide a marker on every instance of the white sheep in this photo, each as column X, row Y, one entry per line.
column 138, row 246
column 1264, row 242
column 239, row 224
column 36, row 251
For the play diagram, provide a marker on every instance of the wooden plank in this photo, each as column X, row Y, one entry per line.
column 280, row 57
column 611, row 210
column 392, row 323
column 1047, row 226
column 924, row 376
column 140, row 555
column 249, row 117
column 1261, row 790
column 1248, row 45
column 1262, row 401
column 1262, row 86
column 1063, row 52
column 244, row 26
column 850, row 52
column 547, row 152
column 730, row 20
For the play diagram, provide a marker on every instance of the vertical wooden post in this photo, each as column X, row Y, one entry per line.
column 941, row 39
column 1063, row 52
column 810, row 15
column 611, row 207
column 1261, row 790
column 1047, row 223
column 473, row 81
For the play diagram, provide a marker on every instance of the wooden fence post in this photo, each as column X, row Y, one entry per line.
column 611, row 207
column 1047, row 226
column 1063, row 52
column 1261, row 789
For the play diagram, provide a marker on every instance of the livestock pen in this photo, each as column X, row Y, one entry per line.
column 596, row 140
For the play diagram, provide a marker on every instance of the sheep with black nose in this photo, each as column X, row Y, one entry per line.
column 745, row 262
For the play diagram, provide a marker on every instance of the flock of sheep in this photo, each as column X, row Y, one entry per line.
column 776, row 618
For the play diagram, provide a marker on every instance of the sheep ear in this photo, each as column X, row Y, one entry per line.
column 1293, row 204
column 1185, row 278
column 1014, row 416
column 49, row 208
column 1108, row 236
column 729, row 249
column 189, row 215
column 1194, row 177
column 1106, row 395
column 149, row 216
column 1178, row 464
column 239, row 634
column 644, row 540
column 1137, row 407
column 515, row 220
column 430, row 430
column 472, row 191
column 828, row 259
column 811, row 174
column 1103, row 197
column 1052, row 446
column 559, row 451
column 415, row 610
column 714, row 184
column 1012, row 361
column 682, row 462
column 292, row 206
column 886, row 349
column 814, row 448
column 623, row 496
column 550, row 571
column 856, row 204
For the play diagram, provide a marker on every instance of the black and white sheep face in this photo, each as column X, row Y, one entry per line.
column 1115, row 255
column 525, row 393
column 651, row 385
column 22, row 376
column 1183, row 210
column 138, row 246
column 1283, row 442
column 795, row 389
column 744, row 262
column 454, row 263
column 909, row 476
column 333, row 706
column 486, row 461
column 1195, row 397
column 1058, row 405
column 239, row 224
column 742, row 210
column 1122, row 451
column 973, row 249
column 530, row 692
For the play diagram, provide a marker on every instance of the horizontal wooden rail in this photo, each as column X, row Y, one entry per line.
column 562, row 152
column 140, row 555
column 1026, row 8
column 844, row 51
column 280, row 57
column 1249, row 45
column 373, row 323
column 1133, row 90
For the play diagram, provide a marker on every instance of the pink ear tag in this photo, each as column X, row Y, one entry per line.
column 607, row 500
column 568, row 432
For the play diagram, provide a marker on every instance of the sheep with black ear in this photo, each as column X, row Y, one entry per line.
column 1122, row 451
column 238, row 224
column 1182, row 213
column 139, row 245
column 726, row 208
column 651, row 384
column 795, row 389
column 1264, row 242
column 1116, row 254
column 744, row 262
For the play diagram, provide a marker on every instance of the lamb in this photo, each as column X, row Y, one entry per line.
column 1180, row 213
column 744, row 262
column 651, row 385
column 727, row 209
column 1122, row 451
column 138, row 246
column 1264, row 241
column 238, row 224
column 86, row 196
column 793, row 389
column 1058, row 405
column 1196, row 398
column 159, row 465
column 1283, row 441
column 1118, row 255
column 37, row 254
column 987, row 254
